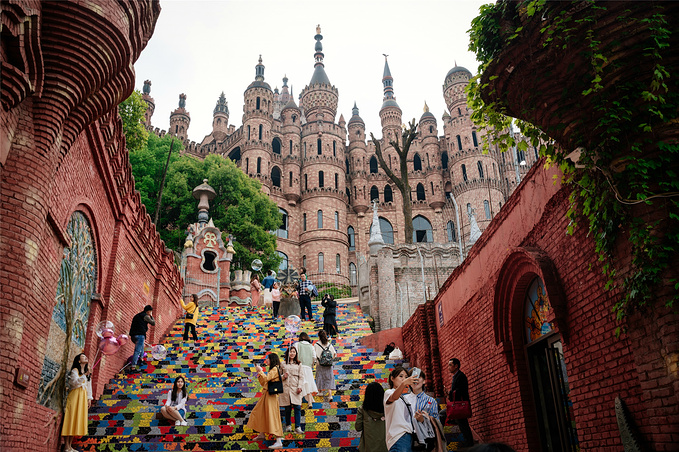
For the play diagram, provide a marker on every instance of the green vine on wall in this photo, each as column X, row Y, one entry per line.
column 624, row 165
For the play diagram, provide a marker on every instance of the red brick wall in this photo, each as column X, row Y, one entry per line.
column 482, row 304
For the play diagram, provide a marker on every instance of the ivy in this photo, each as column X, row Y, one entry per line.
column 623, row 165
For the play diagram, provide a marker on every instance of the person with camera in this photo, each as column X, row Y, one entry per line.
column 330, row 315
column 399, row 428
column 265, row 416
column 191, row 317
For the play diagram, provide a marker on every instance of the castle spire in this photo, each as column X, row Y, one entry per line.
column 387, row 81
column 319, row 77
column 259, row 70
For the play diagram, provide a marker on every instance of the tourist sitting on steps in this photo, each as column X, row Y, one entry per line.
column 174, row 408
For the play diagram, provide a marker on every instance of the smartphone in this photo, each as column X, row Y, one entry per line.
column 416, row 372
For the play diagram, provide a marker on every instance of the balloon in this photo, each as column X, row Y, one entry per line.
column 123, row 339
column 109, row 345
column 159, row 352
column 292, row 323
column 103, row 325
column 256, row 265
column 106, row 332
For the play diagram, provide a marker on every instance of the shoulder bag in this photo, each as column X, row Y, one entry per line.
column 460, row 409
column 276, row 387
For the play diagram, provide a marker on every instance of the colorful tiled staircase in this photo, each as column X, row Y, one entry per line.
column 223, row 388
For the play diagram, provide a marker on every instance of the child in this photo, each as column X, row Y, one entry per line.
column 176, row 402
column 265, row 416
column 293, row 385
column 276, row 298
column 325, row 377
column 370, row 420
column 78, row 401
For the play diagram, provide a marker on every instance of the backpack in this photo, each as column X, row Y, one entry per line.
column 325, row 359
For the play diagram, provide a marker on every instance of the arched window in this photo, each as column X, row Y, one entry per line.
column 431, row 129
column 452, row 233
column 422, row 231
column 290, row 147
column 284, row 261
column 258, row 103
column 336, row 220
column 319, row 219
column 304, row 150
column 338, row 264
column 348, row 192
column 334, row 148
column 486, row 208
column 373, row 165
column 459, row 143
column 303, row 222
column 537, row 306
column 259, row 165
column 352, row 238
column 417, row 163
column 247, row 165
column 432, row 188
column 346, row 163
column 352, row 274
column 248, row 132
column 444, row 160
column 276, row 176
column 388, row 195
column 374, row 193
column 336, row 181
column 420, row 192
column 290, row 179
column 479, row 165
column 306, row 180
column 235, row 154
column 464, row 172
column 282, row 231
column 387, row 231
column 474, row 139
column 276, row 146
column 261, row 128
column 448, row 190
column 321, row 179
column 319, row 146
column 459, row 112
column 321, row 268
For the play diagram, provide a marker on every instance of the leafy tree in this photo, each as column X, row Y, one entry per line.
column 409, row 134
column 132, row 111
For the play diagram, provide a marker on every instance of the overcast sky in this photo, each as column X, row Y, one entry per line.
column 202, row 48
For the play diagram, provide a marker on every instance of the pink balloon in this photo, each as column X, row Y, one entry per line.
column 109, row 345
column 107, row 332
column 123, row 339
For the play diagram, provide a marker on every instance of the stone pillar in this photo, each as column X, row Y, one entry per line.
column 389, row 306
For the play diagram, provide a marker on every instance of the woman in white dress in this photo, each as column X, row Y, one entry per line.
column 307, row 356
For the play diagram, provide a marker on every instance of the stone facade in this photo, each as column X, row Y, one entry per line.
column 313, row 164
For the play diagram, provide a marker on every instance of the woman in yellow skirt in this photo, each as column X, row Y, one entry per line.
column 266, row 415
column 78, row 401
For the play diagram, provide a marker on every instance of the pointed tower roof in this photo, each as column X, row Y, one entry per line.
column 259, row 76
column 388, row 83
column 291, row 102
column 319, row 77
column 427, row 114
column 354, row 116
column 222, row 105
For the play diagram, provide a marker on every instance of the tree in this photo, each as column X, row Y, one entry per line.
column 409, row 134
column 132, row 112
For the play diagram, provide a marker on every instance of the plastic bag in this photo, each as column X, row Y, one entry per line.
column 396, row 354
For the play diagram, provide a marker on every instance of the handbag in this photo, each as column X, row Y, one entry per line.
column 189, row 315
column 460, row 409
column 416, row 445
column 276, row 387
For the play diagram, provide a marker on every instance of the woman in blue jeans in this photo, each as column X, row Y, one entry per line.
column 398, row 426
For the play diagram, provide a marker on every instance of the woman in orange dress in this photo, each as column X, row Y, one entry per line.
column 255, row 287
column 266, row 415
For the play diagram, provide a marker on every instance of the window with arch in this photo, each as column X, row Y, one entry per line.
column 464, row 172
column 536, row 310
column 282, row 231
column 306, row 182
column 304, row 222
column 258, row 103
column 352, row 274
column 432, row 188
column 276, row 146
column 334, row 149
column 352, row 238
column 304, row 150
column 321, row 179
column 420, row 192
column 338, row 264
column 290, row 147
column 261, row 129
column 259, row 165
column 444, row 160
column 319, row 219
column 321, row 267
column 387, row 231
column 451, row 232
column 486, row 208
column 336, row 220
column 373, row 165
column 290, row 179
column 247, row 165
column 248, row 132
column 319, row 146
column 346, row 163
column 479, row 165
column 374, row 193
column 431, row 129
column 348, row 193
column 284, row 261
column 388, row 195
column 422, row 231
column 459, row 142
column 336, row 181
column 459, row 112
column 276, row 176
column 417, row 163
column 474, row 139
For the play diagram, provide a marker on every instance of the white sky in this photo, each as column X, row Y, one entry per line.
column 202, row 48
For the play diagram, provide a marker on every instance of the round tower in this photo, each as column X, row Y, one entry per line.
column 180, row 120
column 358, row 161
column 291, row 130
column 432, row 159
column 150, row 103
column 220, row 118
column 390, row 113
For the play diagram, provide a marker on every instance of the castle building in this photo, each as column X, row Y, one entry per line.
column 323, row 173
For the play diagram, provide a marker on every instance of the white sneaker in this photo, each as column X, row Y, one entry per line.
column 299, row 431
column 184, row 423
column 177, row 422
column 277, row 445
column 288, row 428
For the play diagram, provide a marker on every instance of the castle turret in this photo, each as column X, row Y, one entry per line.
column 150, row 103
column 432, row 159
column 292, row 160
column 453, row 90
column 220, row 118
column 180, row 120
column 319, row 98
column 358, row 162
column 390, row 113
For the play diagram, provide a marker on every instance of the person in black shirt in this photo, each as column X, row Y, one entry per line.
column 138, row 329
column 459, row 390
